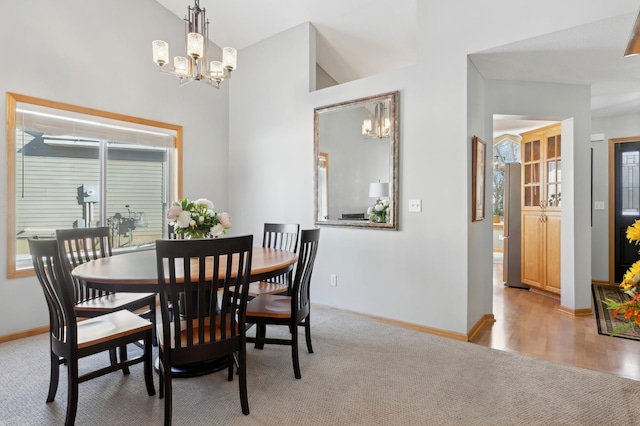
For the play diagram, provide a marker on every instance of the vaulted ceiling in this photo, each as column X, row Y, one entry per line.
column 356, row 38
column 359, row 38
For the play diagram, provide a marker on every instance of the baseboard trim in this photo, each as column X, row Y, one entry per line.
column 601, row 282
column 410, row 326
column 585, row 312
column 24, row 333
column 486, row 319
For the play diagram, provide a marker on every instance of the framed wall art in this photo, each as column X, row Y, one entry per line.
column 478, row 179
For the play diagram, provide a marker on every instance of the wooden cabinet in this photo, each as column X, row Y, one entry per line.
column 541, row 203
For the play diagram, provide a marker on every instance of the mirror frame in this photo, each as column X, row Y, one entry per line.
column 392, row 97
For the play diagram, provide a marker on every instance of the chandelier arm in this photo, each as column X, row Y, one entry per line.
column 182, row 81
column 212, row 82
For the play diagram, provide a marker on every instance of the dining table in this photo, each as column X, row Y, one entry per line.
column 136, row 271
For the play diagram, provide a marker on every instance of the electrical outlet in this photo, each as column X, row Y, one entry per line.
column 598, row 205
column 334, row 280
column 415, row 205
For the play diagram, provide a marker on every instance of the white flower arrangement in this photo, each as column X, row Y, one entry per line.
column 197, row 219
column 379, row 212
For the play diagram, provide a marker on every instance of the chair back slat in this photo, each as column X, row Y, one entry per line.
column 81, row 245
column 172, row 234
column 57, row 288
column 283, row 236
column 209, row 278
column 304, row 268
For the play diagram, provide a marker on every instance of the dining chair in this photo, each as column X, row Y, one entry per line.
column 208, row 325
column 80, row 245
column 283, row 236
column 288, row 310
column 172, row 234
column 71, row 340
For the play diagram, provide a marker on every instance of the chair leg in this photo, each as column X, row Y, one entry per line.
column 231, row 363
column 261, row 333
column 294, row 353
column 148, row 370
column 123, row 358
column 72, row 392
column 160, row 374
column 168, row 397
column 55, row 377
column 242, row 370
column 152, row 310
column 307, row 333
column 112, row 356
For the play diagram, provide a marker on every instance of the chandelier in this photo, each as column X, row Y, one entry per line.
column 195, row 67
column 380, row 126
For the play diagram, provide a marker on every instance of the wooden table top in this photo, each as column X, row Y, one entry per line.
column 136, row 271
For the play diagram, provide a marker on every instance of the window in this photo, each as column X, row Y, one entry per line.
column 506, row 149
column 630, row 183
column 70, row 166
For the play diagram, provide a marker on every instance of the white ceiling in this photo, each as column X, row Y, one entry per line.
column 359, row 38
column 589, row 54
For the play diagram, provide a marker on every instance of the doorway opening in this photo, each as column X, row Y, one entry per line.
column 506, row 149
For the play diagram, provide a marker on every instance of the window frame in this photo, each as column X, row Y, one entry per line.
column 12, row 99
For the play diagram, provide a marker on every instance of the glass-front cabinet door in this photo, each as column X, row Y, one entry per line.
column 554, row 166
column 541, row 201
column 531, row 170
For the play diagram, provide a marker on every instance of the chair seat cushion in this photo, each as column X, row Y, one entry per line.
column 113, row 302
column 110, row 326
column 269, row 305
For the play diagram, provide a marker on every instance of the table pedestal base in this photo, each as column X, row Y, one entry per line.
column 195, row 369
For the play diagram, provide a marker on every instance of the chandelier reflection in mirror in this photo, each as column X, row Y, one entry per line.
column 380, row 126
column 195, row 66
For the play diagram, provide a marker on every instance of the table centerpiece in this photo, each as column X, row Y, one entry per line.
column 197, row 219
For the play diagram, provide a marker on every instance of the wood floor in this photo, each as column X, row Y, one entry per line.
column 531, row 324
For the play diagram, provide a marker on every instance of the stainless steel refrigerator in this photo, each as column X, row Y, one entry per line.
column 511, row 266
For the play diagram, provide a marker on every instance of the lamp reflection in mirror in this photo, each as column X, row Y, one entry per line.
column 379, row 190
column 380, row 126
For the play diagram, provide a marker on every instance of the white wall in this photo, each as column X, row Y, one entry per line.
column 480, row 257
column 97, row 54
column 431, row 271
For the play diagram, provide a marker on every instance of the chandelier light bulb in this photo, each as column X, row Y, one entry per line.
column 366, row 127
column 216, row 69
column 195, row 45
column 229, row 57
column 160, row 52
column 181, row 65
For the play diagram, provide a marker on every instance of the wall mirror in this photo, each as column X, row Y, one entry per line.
column 356, row 163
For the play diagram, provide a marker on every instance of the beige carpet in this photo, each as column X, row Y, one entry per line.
column 362, row 373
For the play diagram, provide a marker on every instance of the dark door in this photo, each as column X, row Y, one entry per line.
column 627, row 204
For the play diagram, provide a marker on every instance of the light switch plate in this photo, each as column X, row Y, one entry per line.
column 598, row 205
column 415, row 205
